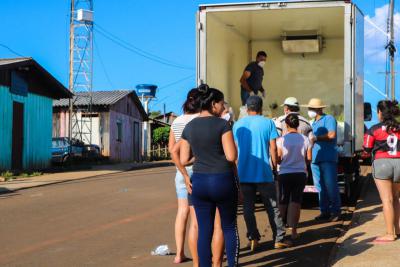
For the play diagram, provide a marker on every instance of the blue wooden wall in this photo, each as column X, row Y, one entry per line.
column 37, row 129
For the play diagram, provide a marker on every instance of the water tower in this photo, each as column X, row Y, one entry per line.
column 146, row 92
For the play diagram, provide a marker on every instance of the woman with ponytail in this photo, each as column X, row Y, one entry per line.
column 213, row 185
column 191, row 110
column 382, row 141
column 294, row 151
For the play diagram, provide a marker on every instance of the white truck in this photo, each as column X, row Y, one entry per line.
column 315, row 49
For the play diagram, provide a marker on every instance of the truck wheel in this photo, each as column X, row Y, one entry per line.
column 66, row 159
column 348, row 187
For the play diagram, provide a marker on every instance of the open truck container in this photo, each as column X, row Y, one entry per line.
column 315, row 49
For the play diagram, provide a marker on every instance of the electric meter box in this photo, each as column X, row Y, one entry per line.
column 84, row 15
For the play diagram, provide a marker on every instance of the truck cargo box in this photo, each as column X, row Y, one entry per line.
column 315, row 49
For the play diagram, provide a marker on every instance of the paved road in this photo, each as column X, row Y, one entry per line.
column 117, row 219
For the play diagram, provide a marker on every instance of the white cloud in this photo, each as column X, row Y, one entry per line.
column 375, row 39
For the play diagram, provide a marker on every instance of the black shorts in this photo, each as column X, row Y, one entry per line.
column 291, row 187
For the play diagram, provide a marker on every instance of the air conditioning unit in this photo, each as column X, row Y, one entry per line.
column 300, row 44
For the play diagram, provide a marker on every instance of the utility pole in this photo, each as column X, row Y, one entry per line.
column 71, row 68
column 392, row 51
column 165, row 119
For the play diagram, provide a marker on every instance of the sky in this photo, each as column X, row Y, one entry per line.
column 166, row 29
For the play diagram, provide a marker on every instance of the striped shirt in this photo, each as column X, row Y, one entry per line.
column 304, row 126
column 179, row 124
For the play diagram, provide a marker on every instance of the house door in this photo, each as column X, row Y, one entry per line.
column 136, row 142
column 17, row 135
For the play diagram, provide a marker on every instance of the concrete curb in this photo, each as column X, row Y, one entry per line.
column 134, row 168
column 348, row 225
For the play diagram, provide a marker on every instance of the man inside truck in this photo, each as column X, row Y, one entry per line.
column 324, row 161
column 251, row 80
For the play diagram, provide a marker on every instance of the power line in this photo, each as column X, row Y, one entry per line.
column 137, row 48
column 102, row 63
column 138, row 51
column 168, row 85
column 176, row 82
column 11, row 50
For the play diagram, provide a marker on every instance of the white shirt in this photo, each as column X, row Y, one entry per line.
column 294, row 148
column 180, row 123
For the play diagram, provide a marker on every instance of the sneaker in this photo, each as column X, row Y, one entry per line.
column 253, row 245
column 283, row 244
column 323, row 217
column 335, row 218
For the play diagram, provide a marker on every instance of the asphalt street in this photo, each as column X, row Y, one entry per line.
column 117, row 219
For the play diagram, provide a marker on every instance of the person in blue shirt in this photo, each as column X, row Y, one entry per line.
column 324, row 161
column 255, row 137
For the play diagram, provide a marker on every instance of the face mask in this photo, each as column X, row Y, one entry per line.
column 226, row 117
column 312, row 114
column 261, row 64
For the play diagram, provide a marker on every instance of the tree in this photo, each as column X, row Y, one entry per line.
column 154, row 114
column 161, row 135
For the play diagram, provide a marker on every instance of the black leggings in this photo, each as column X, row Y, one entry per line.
column 291, row 187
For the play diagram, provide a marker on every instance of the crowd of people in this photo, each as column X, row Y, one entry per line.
column 221, row 163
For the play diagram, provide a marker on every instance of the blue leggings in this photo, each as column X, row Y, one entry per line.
column 209, row 192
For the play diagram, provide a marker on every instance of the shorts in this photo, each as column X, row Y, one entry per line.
column 180, row 186
column 291, row 187
column 386, row 169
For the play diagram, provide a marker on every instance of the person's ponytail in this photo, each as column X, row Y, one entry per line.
column 292, row 120
column 207, row 96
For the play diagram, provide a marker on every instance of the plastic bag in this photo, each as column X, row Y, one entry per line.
column 161, row 250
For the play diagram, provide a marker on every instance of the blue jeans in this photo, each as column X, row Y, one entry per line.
column 209, row 192
column 180, row 186
column 325, row 181
column 244, row 95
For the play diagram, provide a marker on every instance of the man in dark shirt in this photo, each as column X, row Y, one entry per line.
column 251, row 80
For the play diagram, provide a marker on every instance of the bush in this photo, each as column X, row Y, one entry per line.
column 8, row 175
column 161, row 135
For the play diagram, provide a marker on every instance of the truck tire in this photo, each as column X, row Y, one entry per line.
column 348, row 187
column 66, row 159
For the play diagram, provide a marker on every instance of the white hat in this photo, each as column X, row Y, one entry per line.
column 291, row 101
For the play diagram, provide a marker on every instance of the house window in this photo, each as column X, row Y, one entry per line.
column 18, row 84
column 119, row 131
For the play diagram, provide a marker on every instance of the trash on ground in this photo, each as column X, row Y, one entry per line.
column 161, row 250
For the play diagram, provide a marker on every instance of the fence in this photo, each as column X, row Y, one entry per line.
column 158, row 152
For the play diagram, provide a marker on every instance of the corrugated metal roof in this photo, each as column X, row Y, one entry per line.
column 7, row 61
column 104, row 98
column 51, row 87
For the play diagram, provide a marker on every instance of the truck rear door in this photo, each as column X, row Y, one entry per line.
column 358, row 78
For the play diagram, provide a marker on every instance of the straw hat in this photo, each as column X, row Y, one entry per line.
column 315, row 103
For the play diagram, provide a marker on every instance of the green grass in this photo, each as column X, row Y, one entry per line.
column 35, row 174
column 8, row 175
